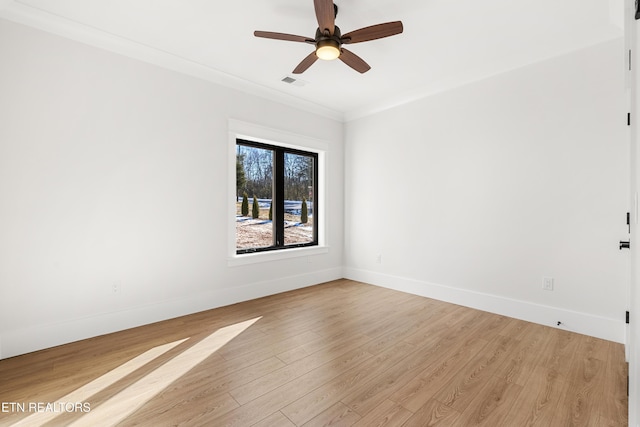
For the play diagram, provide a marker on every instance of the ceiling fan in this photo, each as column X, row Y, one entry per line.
column 329, row 40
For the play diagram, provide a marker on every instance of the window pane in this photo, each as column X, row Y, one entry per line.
column 254, row 179
column 275, row 197
column 299, row 199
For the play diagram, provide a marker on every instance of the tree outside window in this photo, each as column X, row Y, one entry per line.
column 281, row 183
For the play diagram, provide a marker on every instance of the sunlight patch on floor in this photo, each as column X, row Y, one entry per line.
column 137, row 394
column 83, row 393
column 127, row 401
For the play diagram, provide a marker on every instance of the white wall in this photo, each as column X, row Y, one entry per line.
column 474, row 195
column 115, row 172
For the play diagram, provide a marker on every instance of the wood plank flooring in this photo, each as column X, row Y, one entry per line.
column 338, row 354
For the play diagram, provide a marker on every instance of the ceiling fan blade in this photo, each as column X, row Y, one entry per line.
column 373, row 32
column 353, row 61
column 325, row 13
column 306, row 63
column 283, row 36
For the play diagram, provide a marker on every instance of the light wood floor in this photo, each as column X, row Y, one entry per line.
column 338, row 354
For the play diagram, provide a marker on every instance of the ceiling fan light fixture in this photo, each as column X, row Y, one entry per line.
column 328, row 49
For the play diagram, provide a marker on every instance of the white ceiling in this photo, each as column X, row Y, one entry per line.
column 445, row 43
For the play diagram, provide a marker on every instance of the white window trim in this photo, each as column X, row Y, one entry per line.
column 252, row 132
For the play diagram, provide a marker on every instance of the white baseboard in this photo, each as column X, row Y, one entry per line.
column 20, row 341
column 38, row 337
column 582, row 323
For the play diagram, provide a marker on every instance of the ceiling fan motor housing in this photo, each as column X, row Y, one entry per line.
column 336, row 35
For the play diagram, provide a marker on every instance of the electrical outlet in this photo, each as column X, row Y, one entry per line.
column 117, row 287
column 379, row 259
column 547, row 283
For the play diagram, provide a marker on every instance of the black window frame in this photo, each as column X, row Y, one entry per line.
column 278, row 196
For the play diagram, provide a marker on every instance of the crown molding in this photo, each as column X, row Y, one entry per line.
column 17, row 12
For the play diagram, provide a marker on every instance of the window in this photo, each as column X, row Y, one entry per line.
column 276, row 202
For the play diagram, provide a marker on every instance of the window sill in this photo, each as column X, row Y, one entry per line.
column 254, row 258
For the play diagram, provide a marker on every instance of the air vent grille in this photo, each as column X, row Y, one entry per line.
column 293, row 81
